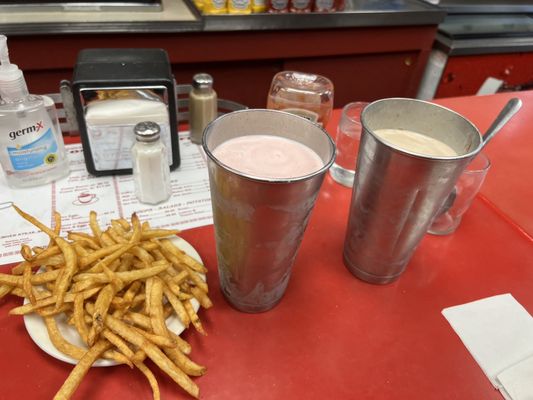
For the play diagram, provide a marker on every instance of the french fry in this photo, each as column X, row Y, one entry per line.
column 150, row 377
column 154, row 353
column 19, row 268
column 143, row 321
column 159, row 340
column 184, row 267
column 4, row 290
column 137, row 229
column 79, row 318
column 116, row 236
column 98, row 254
column 158, row 233
column 184, row 363
column 26, row 253
column 26, row 283
column 10, row 280
column 44, row 302
column 18, row 292
column 185, row 258
column 53, row 311
column 118, row 343
column 142, row 254
column 125, row 224
column 194, row 317
column 202, row 297
column 95, row 228
column 80, row 250
column 88, row 240
column 125, row 276
column 148, row 294
column 60, row 342
column 178, row 307
column 157, row 319
column 52, row 261
column 57, row 227
column 81, row 286
column 81, row 369
column 117, row 357
column 117, row 227
column 101, row 307
column 45, row 254
column 107, row 240
column 149, row 246
column 68, row 272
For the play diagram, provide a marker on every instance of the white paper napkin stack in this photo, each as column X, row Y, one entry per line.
column 498, row 332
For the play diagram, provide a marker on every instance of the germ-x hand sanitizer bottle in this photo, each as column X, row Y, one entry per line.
column 31, row 148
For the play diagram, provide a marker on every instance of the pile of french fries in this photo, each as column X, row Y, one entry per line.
column 117, row 287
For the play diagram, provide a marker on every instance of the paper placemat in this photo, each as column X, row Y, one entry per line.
column 110, row 196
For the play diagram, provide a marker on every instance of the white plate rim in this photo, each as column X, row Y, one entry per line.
column 39, row 334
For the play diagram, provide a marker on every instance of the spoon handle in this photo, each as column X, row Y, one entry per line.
column 503, row 117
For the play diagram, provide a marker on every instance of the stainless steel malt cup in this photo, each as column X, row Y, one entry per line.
column 259, row 222
column 396, row 192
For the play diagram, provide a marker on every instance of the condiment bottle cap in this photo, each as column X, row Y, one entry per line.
column 146, row 131
column 202, row 81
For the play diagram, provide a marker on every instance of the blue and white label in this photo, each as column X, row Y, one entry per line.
column 42, row 151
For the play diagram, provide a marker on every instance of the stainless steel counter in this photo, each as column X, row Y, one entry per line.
column 473, row 46
column 181, row 15
column 487, row 6
column 485, row 34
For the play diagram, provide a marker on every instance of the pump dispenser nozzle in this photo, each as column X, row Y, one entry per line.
column 12, row 83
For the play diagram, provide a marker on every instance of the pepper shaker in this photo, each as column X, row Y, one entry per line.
column 202, row 105
column 151, row 172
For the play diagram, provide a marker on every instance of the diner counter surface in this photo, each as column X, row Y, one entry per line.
column 181, row 15
column 334, row 336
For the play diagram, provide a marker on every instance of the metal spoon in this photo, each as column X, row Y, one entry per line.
column 503, row 117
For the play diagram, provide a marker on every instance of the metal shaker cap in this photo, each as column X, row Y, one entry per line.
column 202, row 81
column 147, row 131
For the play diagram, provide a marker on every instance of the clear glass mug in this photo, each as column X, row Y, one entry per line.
column 347, row 143
column 449, row 216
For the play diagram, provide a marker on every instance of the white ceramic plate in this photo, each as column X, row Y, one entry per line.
column 37, row 328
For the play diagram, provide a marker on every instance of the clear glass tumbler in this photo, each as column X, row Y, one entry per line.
column 347, row 142
column 307, row 95
column 449, row 216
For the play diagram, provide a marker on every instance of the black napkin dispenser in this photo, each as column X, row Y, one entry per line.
column 113, row 90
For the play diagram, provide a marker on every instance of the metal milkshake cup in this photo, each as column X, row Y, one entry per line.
column 396, row 192
column 260, row 222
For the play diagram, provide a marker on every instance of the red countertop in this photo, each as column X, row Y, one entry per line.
column 334, row 336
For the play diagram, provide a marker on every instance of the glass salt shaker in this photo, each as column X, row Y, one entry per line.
column 151, row 171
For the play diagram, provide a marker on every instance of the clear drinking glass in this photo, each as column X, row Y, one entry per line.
column 449, row 216
column 348, row 138
column 307, row 95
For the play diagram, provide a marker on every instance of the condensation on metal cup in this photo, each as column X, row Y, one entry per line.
column 259, row 223
column 397, row 193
